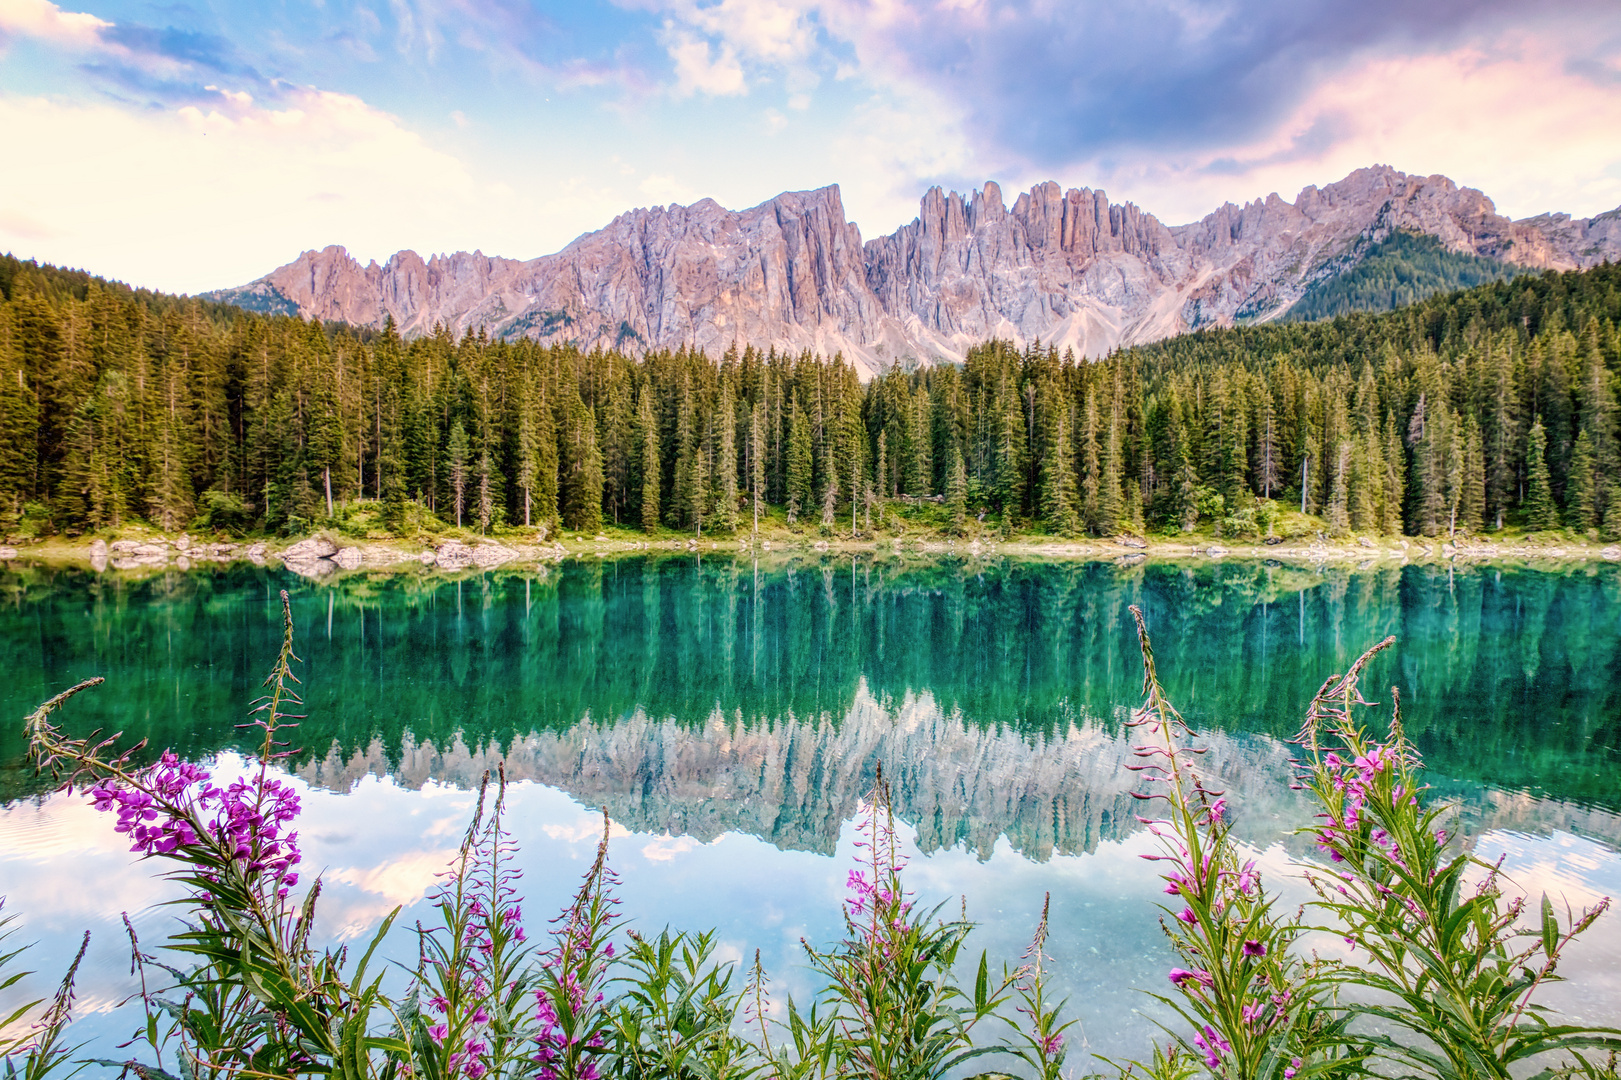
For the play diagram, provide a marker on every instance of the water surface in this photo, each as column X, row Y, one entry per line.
column 730, row 715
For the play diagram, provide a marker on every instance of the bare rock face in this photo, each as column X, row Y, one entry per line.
column 1067, row 267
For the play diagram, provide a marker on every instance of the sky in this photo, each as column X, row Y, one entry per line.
column 197, row 144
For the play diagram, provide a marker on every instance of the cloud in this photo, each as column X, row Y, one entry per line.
column 1514, row 121
column 1050, row 81
column 218, row 193
column 44, row 21
column 699, row 68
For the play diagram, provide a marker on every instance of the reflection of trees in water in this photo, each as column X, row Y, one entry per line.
column 1509, row 676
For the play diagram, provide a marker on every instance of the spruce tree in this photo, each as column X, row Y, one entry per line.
column 1472, row 513
column 1581, row 501
column 456, row 454
column 1540, row 512
column 757, row 461
column 830, row 493
column 726, row 459
column 1338, row 511
column 486, row 490
column 684, row 500
column 527, row 456
column 1395, row 482
column 651, row 473
column 957, row 493
column 1611, row 529
column 799, row 464
column 1058, row 495
column 582, row 489
column 1110, row 498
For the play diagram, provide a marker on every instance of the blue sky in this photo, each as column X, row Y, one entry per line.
column 195, row 144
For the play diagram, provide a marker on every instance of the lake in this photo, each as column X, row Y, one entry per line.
column 730, row 715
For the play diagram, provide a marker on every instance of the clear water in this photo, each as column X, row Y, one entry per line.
column 729, row 715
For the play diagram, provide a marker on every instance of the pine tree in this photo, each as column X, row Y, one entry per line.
column 919, row 466
column 1472, row 512
column 486, row 494
column 1539, row 509
column 1110, row 499
column 582, row 488
column 456, row 457
column 19, row 427
column 528, row 457
column 799, row 464
column 1268, row 455
column 1338, row 512
column 830, row 493
column 1581, row 501
column 757, row 461
column 1058, row 494
column 1011, row 441
column 546, row 466
column 651, row 473
column 1131, row 511
column 957, row 493
column 1395, row 484
column 684, row 499
column 1091, row 466
column 726, row 459
column 1612, row 514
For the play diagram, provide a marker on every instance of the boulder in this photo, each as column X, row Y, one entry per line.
column 98, row 555
column 453, row 555
column 7, row 552
column 315, row 547
column 348, row 558
column 488, row 555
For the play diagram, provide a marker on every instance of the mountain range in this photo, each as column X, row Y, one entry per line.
column 1068, row 268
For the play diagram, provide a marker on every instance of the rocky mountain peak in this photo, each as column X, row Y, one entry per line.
column 1065, row 266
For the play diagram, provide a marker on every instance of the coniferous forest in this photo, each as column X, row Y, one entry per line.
column 1459, row 414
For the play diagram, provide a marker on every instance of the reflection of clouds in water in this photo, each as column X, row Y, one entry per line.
column 381, row 845
column 1579, row 869
column 666, row 848
column 1581, row 872
column 586, row 828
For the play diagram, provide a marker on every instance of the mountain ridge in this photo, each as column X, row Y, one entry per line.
column 1067, row 267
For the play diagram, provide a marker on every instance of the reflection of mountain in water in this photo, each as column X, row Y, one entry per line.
column 1509, row 676
column 795, row 782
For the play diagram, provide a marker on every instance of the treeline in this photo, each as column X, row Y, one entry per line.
column 1459, row 413
column 1401, row 269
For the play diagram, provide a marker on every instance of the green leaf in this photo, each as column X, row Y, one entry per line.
column 1550, row 928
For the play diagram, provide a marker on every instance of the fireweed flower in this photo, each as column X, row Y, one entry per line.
column 569, row 1012
column 1235, row 967
column 472, row 962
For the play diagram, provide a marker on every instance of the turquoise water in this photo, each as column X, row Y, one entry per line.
column 729, row 715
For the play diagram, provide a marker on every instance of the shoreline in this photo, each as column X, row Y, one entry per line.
column 323, row 554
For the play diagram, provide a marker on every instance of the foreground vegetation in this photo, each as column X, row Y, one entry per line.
column 1472, row 411
column 1453, row 960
